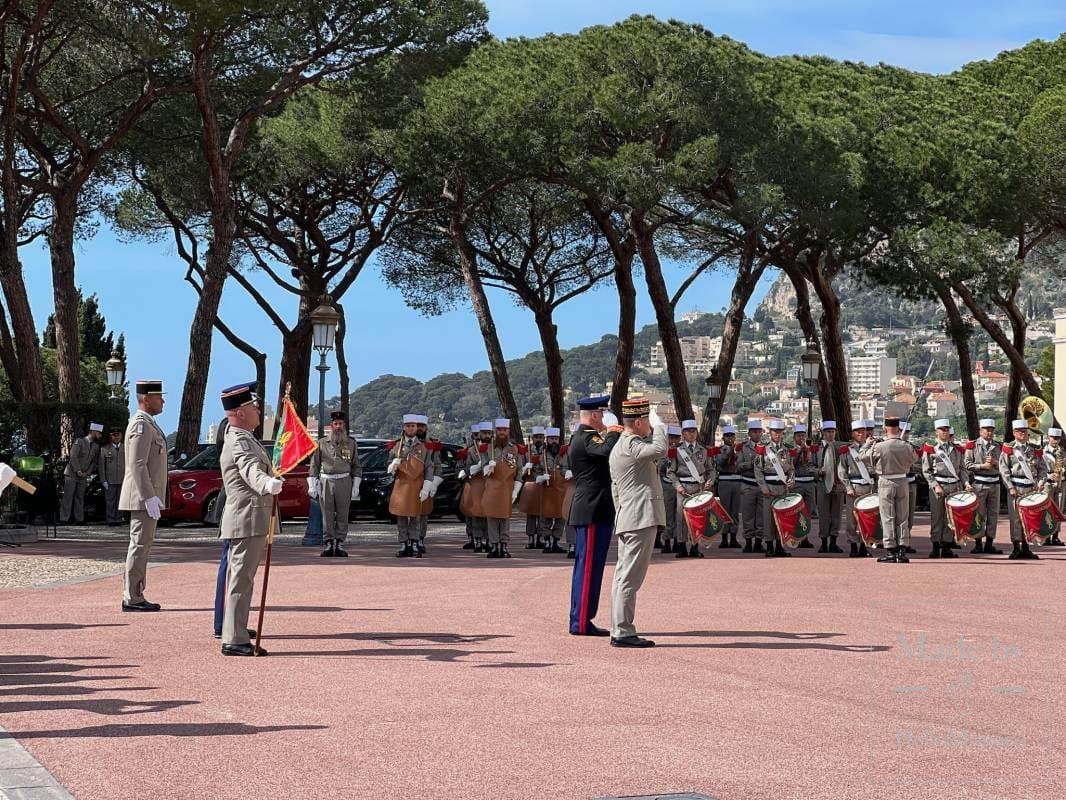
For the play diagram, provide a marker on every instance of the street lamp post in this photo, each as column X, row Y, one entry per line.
column 714, row 401
column 810, row 368
column 115, row 369
column 324, row 321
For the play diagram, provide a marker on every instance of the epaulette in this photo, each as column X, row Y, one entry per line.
column 391, row 443
column 483, row 447
column 462, row 453
column 970, row 445
column 814, row 448
column 793, row 451
column 564, row 449
column 1002, row 449
column 928, row 449
column 522, row 449
column 760, row 449
column 435, row 445
column 671, row 453
column 843, row 451
column 1040, row 452
column 738, row 448
column 713, row 451
column 960, row 449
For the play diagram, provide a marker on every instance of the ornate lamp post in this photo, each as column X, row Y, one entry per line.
column 324, row 321
column 115, row 368
column 810, row 368
column 714, row 402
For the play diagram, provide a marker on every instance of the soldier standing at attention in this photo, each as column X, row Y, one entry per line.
column 507, row 458
column 409, row 449
column 775, row 477
column 982, row 462
column 111, row 469
column 80, row 465
column 892, row 459
column 474, row 465
column 803, row 457
column 830, row 489
column 536, row 450
column 592, row 510
column 639, row 511
column 854, row 474
column 463, row 460
column 553, row 459
column 691, row 471
column 1024, row 471
column 669, row 532
column 247, row 474
column 1054, row 455
column 729, row 485
column 334, row 476
column 912, row 479
column 144, row 490
column 751, row 505
column 944, row 467
column 435, row 477
column 569, row 534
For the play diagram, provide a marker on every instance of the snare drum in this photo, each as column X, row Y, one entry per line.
column 792, row 518
column 1037, row 516
column 868, row 519
column 963, row 517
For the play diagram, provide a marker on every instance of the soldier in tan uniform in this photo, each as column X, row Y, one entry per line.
column 1023, row 471
column 412, row 451
column 804, row 455
column 552, row 459
column 248, row 476
column 690, row 469
column 112, row 469
column 751, row 500
column 569, row 533
column 912, row 479
column 529, row 473
column 944, row 468
column 509, row 459
column 436, row 477
column 668, row 534
column 463, row 461
column 891, row 459
column 1054, row 456
column 334, row 477
column 729, row 485
column 982, row 462
column 854, row 473
column 144, row 490
column 472, row 471
column 81, row 463
column 830, row 488
column 774, row 473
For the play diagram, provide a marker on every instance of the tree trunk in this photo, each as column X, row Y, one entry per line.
column 480, row 303
column 833, row 360
column 826, row 402
column 24, row 333
column 959, row 332
column 342, row 363
column 643, row 233
column 8, row 360
column 64, row 294
column 553, row 360
column 296, row 367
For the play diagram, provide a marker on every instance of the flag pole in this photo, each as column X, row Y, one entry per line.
column 266, row 573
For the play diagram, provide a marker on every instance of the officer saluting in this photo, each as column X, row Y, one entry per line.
column 335, row 474
column 247, row 474
column 591, row 512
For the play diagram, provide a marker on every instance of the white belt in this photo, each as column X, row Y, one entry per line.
column 895, row 477
column 985, row 479
column 776, row 481
column 946, row 480
column 861, row 482
column 805, row 479
column 335, row 476
column 1022, row 482
column 729, row 477
column 689, row 480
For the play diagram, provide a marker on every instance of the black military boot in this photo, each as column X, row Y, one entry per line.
column 935, row 552
column 863, row 552
column 469, row 545
column 747, row 546
column 405, row 551
column 503, row 551
column 540, row 541
column 339, row 551
column 331, row 549
column 978, row 547
column 1016, row 553
column 901, row 555
column 555, row 548
column 530, row 545
column 757, row 546
column 854, row 552
column 420, row 546
column 658, row 540
column 889, row 557
column 779, row 550
column 1055, row 541
column 667, row 546
column 825, row 545
column 417, row 550
column 571, row 551
column 694, row 551
column 724, row 544
column 991, row 548
column 805, row 544
column 479, row 545
column 733, row 543
column 493, row 551
column 833, row 546
column 680, row 550
column 1027, row 554
column 946, row 551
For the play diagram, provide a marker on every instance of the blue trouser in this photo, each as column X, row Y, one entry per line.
column 220, row 586
column 593, row 541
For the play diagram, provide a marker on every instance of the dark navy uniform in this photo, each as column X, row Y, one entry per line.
column 592, row 516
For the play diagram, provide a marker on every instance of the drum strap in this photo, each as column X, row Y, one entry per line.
column 693, row 470
column 775, row 462
column 829, row 462
column 943, row 456
column 1026, row 469
column 860, row 464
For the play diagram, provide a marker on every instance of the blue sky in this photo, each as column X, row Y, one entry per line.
column 141, row 286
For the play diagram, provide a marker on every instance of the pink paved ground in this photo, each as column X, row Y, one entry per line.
column 454, row 677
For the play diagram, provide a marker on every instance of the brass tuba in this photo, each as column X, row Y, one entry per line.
column 1037, row 415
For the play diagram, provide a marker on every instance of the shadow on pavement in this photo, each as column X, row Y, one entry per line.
column 56, row 626
column 255, row 609
column 450, row 655
column 738, row 634
column 110, row 706
column 160, row 729
column 366, row 636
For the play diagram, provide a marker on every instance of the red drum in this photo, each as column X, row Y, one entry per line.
column 792, row 518
column 705, row 515
column 963, row 517
column 868, row 519
column 1039, row 516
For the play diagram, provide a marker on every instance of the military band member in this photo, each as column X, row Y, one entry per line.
column 729, row 485
column 804, row 455
column 690, row 469
column 463, row 461
column 111, row 469
column 830, row 489
column 568, row 475
column 474, row 465
column 334, row 477
column 912, row 478
column 854, row 473
column 82, row 462
column 144, row 490
column 435, row 447
column 775, row 475
column 944, row 468
column 1023, row 471
column 1055, row 459
column 509, row 457
column 982, row 461
column 891, row 459
column 247, row 474
column 535, row 450
column 410, row 449
column 668, row 534
column 751, row 501
column 552, row 459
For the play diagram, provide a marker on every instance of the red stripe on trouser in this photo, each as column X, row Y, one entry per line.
column 586, row 579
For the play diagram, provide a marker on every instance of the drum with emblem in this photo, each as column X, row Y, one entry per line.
column 706, row 516
column 1038, row 516
column 792, row 519
column 868, row 519
column 964, row 519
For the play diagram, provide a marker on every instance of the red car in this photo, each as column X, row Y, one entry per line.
column 195, row 487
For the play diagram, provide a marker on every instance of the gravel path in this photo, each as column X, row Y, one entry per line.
column 26, row 572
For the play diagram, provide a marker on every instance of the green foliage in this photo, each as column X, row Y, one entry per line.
column 95, row 341
column 1045, row 368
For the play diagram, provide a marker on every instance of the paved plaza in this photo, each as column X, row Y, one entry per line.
column 453, row 676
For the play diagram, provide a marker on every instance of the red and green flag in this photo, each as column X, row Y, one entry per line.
column 293, row 443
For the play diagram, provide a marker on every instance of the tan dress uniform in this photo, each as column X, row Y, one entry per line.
column 729, row 486
column 830, row 494
column 407, row 528
column 436, row 469
column 112, row 469
column 529, row 475
column 943, row 465
column 1022, row 467
column 1056, row 483
column 854, row 473
column 246, row 471
column 690, row 467
column 669, row 531
column 551, row 528
column 82, row 464
column 751, row 500
column 986, row 480
column 804, row 461
column 145, row 478
column 912, row 484
column 639, row 511
column 773, row 481
column 335, row 464
column 473, row 465
column 892, row 459
column 509, row 457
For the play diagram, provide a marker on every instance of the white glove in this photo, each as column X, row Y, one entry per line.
column 462, row 474
column 7, row 474
column 489, row 468
column 437, row 481
column 543, row 478
column 154, row 507
column 528, row 468
column 474, row 469
column 312, row 487
column 355, row 487
column 393, row 466
column 105, row 484
column 568, row 476
column 273, row 486
column 517, row 489
column 424, row 494
column 609, row 418
column 653, row 417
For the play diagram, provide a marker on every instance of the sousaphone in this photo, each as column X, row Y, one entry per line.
column 1037, row 415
